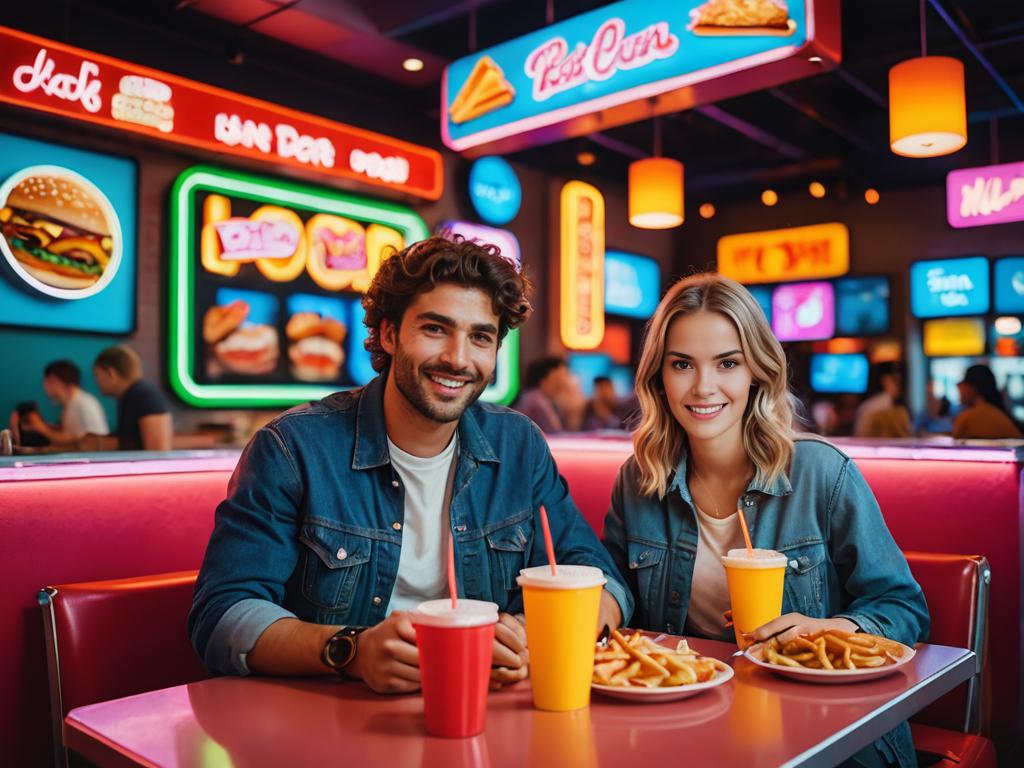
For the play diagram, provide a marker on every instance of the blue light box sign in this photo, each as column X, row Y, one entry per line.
column 494, row 190
column 862, row 306
column 632, row 284
column 839, row 373
column 1010, row 285
column 949, row 287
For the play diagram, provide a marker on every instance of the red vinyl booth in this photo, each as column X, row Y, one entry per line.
column 108, row 639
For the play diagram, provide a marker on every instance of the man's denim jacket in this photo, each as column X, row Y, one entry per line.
column 312, row 523
column 842, row 560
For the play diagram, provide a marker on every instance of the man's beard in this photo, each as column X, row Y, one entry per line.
column 412, row 387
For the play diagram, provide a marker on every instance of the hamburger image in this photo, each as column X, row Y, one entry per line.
column 235, row 346
column 57, row 229
column 314, row 349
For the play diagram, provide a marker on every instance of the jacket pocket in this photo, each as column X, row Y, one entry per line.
column 805, row 578
column 506, row 553
column 645, row 564
column 333, row 562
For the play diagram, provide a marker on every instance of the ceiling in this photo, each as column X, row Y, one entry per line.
column 832, row 128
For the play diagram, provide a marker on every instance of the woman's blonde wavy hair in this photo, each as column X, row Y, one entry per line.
column 768, row 419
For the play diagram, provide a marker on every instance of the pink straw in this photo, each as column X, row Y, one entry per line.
column 547, row 538
column 452, row 586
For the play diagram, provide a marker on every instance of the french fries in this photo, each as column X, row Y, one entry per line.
column 833, row 649
column 639, row 662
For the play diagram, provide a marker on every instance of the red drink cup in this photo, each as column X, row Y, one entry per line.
column 455, row 647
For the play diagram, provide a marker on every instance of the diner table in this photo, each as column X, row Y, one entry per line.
column 756, row 719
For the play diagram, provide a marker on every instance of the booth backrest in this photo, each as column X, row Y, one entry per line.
column 114, row 638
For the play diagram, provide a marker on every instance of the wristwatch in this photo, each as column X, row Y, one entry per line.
column 340, row 648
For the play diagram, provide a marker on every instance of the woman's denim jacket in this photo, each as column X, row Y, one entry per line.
column 842, row 560
column 312, row 524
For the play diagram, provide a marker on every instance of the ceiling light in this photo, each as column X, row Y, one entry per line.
column 656, row 193
column 814, row 59
column 769, row 197
column 816, row 188
column 586, row 158
column 412, row 65
column 871, row 196
column 706, row 210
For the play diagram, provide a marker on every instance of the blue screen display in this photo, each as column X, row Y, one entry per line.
column 763, row 294
column 586, row 366
column 862, row 306
column 949, row 287
column 1010, row 285
column 632, row 284
column 839, row 373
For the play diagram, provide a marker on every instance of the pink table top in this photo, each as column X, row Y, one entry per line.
column 757, row 719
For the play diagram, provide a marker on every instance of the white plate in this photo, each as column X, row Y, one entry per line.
column 808, row 675
column 668, row 693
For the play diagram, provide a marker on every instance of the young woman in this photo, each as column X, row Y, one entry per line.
column 716, row 432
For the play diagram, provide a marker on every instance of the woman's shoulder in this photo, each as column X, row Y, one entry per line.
column 811, row 452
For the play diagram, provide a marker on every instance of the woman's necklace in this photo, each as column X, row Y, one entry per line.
column 708, row 492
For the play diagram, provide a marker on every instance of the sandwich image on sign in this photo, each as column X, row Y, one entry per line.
column 315, row 334
column 60, row 233
column 485, row 90
column 240, row 334
column 741, row 17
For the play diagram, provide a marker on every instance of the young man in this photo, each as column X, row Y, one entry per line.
column 81, row 413
column 143, row 418
column 339, row 512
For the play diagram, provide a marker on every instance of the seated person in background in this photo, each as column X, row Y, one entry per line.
column 886, row 385
column 339, row 513
column 81, row 413
column 551, row 396
column 984, row 415
column 143, row 417
column 893, row 421
column 717, row 432
column 935, row 419
column 602, row 410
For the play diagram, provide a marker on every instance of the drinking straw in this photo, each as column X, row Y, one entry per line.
column 452, row 587
column 547, row 538
column 746, row 531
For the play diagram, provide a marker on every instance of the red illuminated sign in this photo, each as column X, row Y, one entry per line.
column 52, row 77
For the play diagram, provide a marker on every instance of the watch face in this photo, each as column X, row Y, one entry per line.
column 341, row 648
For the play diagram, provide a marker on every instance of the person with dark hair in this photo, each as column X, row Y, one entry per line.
column 544, row 397
column 341, row 512
column 886, row 386
column 984, row 416
column 143, row 417
column 602, row 410
column 81, row 413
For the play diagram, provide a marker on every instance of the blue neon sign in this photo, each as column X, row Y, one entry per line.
column 632, row 284
column 949, row 287
column 1010, row 285
column 494, row 190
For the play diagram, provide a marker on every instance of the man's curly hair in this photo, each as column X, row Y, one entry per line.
column 442, row 259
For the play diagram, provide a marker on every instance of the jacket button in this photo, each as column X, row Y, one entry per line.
column 394, row 483
column 674, row 597
column 397, row 526
column 794, row 564
column 342, row 554
column 633, row 564
column 377, row 600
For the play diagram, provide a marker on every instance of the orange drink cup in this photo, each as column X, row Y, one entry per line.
column 755, row 588
column 561, row 627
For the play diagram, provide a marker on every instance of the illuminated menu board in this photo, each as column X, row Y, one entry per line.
column 949, row 287
column 266, row 280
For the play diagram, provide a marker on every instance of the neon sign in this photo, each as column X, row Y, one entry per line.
column 627, row 61
column 796, row 253
column 949, row 287
column 45, row 75
column 582, row 266
column 994, row 194
column 494, row 190
column 803, row 311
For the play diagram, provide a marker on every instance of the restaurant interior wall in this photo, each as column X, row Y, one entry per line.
column 906, row 225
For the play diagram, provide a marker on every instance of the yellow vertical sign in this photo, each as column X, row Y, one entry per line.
column 582, row 266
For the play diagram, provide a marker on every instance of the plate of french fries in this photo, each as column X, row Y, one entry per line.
column 633, row 666
column 831, row 656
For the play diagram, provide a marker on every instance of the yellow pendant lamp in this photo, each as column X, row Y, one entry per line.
column 656, row 189
column 927, row 104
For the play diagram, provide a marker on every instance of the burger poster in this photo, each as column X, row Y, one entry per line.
column 66, row 238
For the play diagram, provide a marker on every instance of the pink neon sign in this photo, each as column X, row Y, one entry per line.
column 993, row 194
column 803, row 311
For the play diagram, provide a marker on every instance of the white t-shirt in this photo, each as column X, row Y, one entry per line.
column 422, row 567
column 709, row 592
column 83, row 415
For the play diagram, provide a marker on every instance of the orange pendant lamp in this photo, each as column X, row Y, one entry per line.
column 656, row 189
column 927, row 104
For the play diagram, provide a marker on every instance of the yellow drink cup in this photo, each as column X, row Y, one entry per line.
column 755, row 588
column 561, row 627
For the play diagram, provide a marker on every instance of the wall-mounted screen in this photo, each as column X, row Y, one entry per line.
column 949, row 287
column 632, row 284
column 954, row 337
column 763, row 295
column 839, row 373
column 1009, row 285
column 862, row 306
column 803, row 311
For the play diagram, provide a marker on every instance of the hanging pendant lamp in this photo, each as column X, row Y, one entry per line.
column 927, row 104
column 656, row 189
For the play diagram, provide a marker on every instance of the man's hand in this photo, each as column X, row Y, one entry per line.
column 609, row 613
column 791, row 625
column 387, row 659
column 511, row 656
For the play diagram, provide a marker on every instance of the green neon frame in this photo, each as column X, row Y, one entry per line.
column 181, row 346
